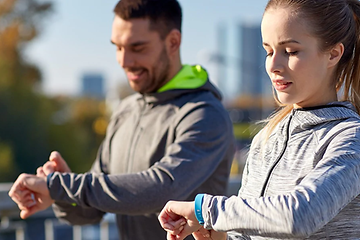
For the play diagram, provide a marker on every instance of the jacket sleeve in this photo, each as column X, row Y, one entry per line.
column 320, row 196
column 203, row 138
column 76, row 214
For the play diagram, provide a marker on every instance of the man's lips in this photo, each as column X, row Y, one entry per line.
column 135, row 75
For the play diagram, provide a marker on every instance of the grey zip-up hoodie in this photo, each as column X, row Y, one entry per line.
column 160, row 146
column 303, row 183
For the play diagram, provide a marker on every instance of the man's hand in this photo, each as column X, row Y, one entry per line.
column 55, row 163
column 31, row 194
column 178, row 219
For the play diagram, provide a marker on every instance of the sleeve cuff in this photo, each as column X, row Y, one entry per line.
column 198, row 208
column 48, row 178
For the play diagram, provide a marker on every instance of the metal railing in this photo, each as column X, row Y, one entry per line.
column 78, row 231
column 48, row 227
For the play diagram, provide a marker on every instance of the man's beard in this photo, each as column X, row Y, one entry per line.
column 162, row 67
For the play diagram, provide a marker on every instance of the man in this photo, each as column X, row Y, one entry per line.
column 170, row 140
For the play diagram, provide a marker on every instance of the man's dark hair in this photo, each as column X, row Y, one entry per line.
column 164, row 15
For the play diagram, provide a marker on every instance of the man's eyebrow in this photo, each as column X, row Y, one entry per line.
column 283, row 42
column 139, row 43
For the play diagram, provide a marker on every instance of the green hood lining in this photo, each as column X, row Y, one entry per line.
column 189, row 77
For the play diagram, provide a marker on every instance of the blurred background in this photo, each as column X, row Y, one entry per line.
column 59, row 82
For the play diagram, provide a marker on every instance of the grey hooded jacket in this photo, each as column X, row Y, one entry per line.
column 303, row 183
column 160, row 146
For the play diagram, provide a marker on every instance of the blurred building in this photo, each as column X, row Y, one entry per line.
column 240, row 60
column 255, row 89
column 92, row 85
column 254, row 80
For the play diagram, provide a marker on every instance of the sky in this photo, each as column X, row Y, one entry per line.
column 75, row 40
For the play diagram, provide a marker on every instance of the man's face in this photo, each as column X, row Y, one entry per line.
column 141, row 53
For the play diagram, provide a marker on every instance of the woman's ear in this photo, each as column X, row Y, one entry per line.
column 335, row 54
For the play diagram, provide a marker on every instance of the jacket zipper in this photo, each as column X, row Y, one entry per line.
column 134, row 139
column 279, row 157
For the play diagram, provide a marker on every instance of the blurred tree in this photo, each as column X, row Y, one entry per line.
column 23, row 122
column 31, row 124
column 20, row 22
column 76, row 132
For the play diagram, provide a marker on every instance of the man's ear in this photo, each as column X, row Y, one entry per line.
column 335, row 54
column 173, row 41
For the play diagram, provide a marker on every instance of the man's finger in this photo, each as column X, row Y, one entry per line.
column 26, row 204
column 60, row 163
column 19, row 194
column 18, row 186
column 25, row 195
column 40, row 172
column 49, row 167
column 29, row 211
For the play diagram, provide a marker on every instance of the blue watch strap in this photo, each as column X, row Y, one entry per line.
column 198, row 208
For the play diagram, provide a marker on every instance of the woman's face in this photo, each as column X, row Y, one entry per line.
column 300, row 73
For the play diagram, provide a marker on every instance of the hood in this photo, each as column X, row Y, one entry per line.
column 188, row 79
column 305, row 118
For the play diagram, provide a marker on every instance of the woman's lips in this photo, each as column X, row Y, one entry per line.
column 281, row 85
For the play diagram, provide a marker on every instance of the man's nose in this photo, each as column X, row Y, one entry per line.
column 125, row 59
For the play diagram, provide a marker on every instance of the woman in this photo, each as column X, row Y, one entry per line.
column 302, row 176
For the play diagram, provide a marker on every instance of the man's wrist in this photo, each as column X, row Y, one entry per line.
column 198, row 208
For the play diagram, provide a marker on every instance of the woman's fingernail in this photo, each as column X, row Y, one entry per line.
column 182, row 223
column 207, row 235
column 181, row 228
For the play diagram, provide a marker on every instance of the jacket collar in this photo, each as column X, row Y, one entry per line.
column 189, row 79
column 305, row 118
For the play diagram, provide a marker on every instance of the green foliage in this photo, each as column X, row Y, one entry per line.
column 31, row 124
column 6, row 164
column 72, row 132
column 23, row 128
